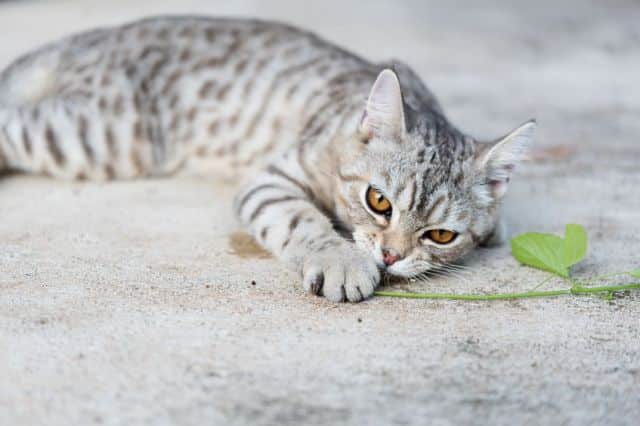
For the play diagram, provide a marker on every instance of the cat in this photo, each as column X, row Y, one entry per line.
column 351, row 168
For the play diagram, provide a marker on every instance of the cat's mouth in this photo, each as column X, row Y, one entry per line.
column 407, row 268
column 396, row 270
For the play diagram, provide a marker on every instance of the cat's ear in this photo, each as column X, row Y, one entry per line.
column 384, row 114
column 497, row 161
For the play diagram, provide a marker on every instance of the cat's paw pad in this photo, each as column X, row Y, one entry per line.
column 341, row 276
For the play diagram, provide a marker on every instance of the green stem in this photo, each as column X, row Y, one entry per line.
column 546, row 280
column 575, row 289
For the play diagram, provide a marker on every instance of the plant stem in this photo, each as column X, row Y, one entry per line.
column 575, row 289
column 546, row 280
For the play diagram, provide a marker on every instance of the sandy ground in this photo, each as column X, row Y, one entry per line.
column 126, row 304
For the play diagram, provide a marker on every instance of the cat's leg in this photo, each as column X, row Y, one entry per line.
column 280, row 211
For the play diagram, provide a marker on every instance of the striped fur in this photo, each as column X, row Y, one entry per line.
column 276, row 106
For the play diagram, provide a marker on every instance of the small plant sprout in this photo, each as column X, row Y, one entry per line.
column 549, row 253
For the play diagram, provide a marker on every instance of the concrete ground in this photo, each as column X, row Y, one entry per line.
column 130, row 303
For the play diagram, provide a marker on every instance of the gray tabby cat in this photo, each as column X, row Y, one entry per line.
column 324, row 138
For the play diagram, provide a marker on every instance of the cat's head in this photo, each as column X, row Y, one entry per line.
column 418, row 193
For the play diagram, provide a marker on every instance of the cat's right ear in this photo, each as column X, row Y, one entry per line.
column 383, row 116
column 497, row 161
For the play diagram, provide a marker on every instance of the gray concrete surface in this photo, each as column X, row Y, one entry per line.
column 125, row 304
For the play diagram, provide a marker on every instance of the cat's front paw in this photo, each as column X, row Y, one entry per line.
column 341, row 274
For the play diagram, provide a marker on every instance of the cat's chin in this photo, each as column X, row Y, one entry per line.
column 398, row 272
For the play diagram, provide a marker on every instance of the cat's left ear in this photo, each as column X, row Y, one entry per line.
column 384, row 114
column 496, row 162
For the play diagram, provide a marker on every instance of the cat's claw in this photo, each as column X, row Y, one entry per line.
column 341, row 276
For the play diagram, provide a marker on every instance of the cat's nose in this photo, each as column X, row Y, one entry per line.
column 390, row 256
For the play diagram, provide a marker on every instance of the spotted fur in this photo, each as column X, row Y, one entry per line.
column 308, row 125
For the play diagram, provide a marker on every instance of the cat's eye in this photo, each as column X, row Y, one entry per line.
column 440, row 236
column 378, row 202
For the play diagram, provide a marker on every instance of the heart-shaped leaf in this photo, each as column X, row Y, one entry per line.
column 542, row 251
column 575, row 244
column 550, row 252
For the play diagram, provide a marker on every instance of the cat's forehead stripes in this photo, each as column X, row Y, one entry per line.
column 400, row 196
column 352, row 177
column 413, row 188
column 438, row 208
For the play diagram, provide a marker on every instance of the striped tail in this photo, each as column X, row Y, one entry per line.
column 3, row 161
column 42, row 139
column 4, row 144
column 72, row 140
column 16, row 142
column 70, row 135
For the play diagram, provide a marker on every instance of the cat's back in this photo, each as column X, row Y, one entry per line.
column 190, row 44
column 192, row 88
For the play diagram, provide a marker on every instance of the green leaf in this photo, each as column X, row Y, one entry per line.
column 635, row 273
column 542, row 251
column 550, row 252
column 575, row 245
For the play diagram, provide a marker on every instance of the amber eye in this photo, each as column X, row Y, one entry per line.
column 440, row 236
column 378, row 202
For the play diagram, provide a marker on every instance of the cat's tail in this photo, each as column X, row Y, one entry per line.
column 27, row 146
column 24, row 84
column 4, row 147
column 42, row 139
column 37, row 124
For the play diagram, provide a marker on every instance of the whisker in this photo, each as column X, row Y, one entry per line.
column 442, row 271
column 448, row 274
column 422, row 278
column 460, row 272
column 455, row 267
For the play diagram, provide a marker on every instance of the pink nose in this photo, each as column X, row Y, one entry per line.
column 389, row 257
